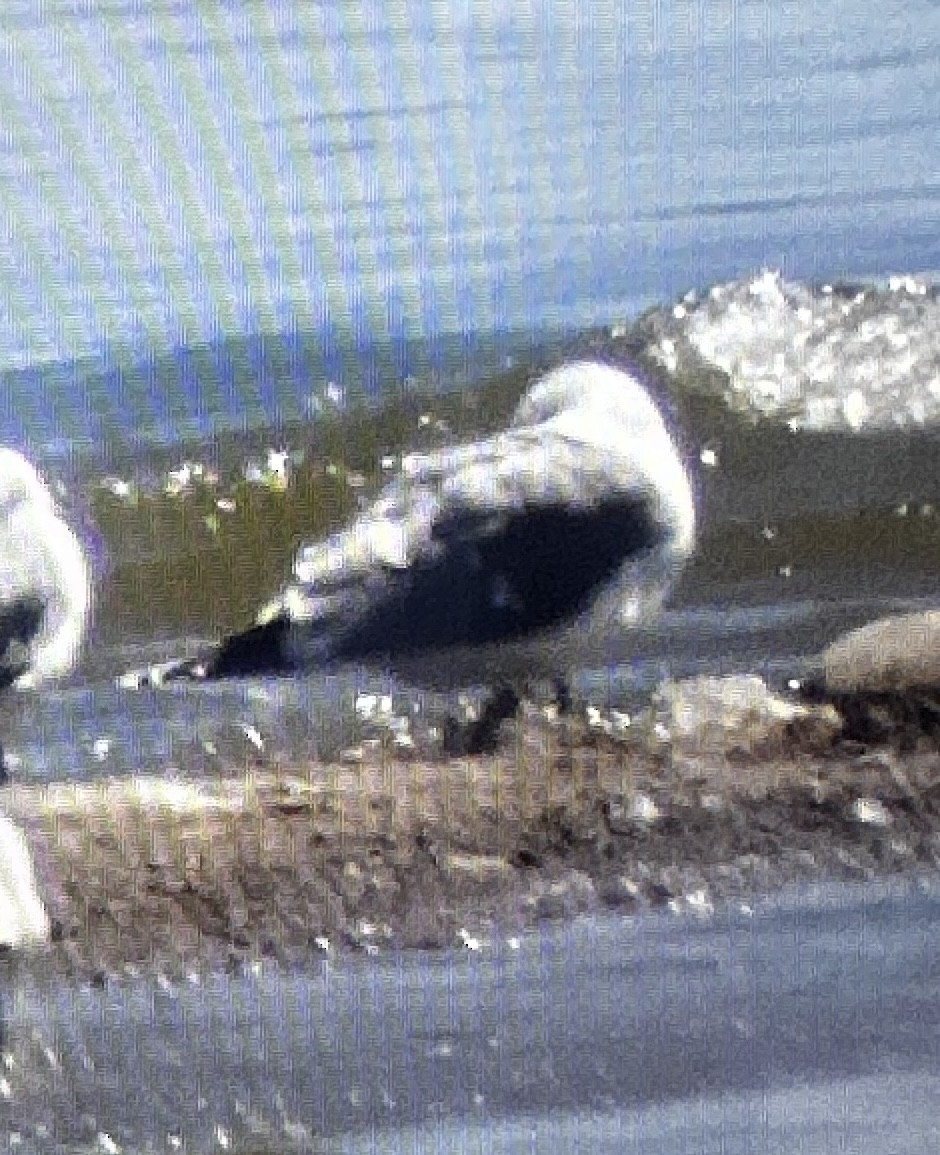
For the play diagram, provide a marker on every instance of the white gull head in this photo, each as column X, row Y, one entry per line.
column 517, row 555
column 45, row 580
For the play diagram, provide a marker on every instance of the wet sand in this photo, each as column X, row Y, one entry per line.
column 290, row 862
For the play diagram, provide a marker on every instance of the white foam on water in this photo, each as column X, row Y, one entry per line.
column 818, row 357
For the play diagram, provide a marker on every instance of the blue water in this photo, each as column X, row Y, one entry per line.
column 358, row 182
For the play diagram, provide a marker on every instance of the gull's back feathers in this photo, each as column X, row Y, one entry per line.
column 584, row 433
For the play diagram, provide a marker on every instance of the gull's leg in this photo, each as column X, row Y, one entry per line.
column 482, row 736
column 4, row 772
column 562, row 695
column 503, row 703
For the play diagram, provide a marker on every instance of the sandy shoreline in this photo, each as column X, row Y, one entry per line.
column 289, row 863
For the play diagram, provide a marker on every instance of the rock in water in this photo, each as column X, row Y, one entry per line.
column 894, row 653
column 884, row 678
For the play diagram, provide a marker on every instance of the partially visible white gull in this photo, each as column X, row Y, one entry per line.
column 519, row 556
column 45, row 580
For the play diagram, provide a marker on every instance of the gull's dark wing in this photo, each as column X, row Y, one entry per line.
column 494, row 577
column 487, row 578
column 20, row 622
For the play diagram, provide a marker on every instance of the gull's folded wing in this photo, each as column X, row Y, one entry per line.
column 478, row 545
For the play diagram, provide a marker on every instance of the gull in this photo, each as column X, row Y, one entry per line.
column 516, row 557
column 45, row 581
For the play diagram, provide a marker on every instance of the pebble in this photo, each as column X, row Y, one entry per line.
column 870, row 811
column 253, row 736
column 478, row 867
column 715, row 713
column 468, row 940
